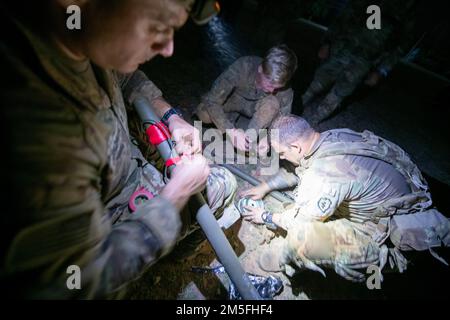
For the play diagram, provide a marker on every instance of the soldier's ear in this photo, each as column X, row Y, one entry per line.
column 296, row 146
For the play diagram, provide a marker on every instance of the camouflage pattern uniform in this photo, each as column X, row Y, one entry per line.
column 355, row 50
column 71, row 171
column 234, row 93
column 343, row 211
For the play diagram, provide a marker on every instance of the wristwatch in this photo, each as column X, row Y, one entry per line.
column 168, row 114
column 267, row 216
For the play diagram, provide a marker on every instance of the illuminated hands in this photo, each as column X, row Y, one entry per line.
column 239, row 139
column 188, row 177
column 187, row 137
column 263, row 146
column 253, row 215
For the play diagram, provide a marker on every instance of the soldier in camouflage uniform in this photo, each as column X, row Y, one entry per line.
column 72, row 163
column 253, row 87
column 351, row 51
column 349, row 185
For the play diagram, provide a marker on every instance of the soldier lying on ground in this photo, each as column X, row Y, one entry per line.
column 72, row 165
column 353, row 191
column 351, row 52
column 254, row 87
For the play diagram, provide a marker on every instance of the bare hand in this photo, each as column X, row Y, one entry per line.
column 263, row 146
column 188, row 178
column 253, row 215
column 324, row 52
column 187, row 137
column 256, row 193
column 239, row 139
column 373, row 79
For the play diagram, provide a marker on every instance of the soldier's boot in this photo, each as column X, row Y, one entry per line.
column 325, row 108
column 314, row 89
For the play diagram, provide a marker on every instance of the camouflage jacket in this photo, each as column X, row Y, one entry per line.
column 384, row 47
column 69, row 172
column 331, row 186
column 236, row 85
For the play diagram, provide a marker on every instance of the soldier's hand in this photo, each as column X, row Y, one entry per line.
column 263, row 147
column 186, row 136
column 187, row 178
column 253, row 215
column 239, row 139
column 192, row 172
column 256, row 193
column 324, row 52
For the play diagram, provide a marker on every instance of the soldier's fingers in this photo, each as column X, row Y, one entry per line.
column 196, row 144
column 250, row 209
column 248, row 192
column 180, row 149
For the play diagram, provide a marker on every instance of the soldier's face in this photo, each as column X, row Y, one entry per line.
column 129, row 33
column 291, row 152
column 265, row 84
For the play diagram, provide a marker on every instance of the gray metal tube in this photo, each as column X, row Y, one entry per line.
column 205, row 218
column 253, row 181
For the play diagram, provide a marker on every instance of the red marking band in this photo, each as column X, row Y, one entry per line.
column 157, row 133
column 172, row 161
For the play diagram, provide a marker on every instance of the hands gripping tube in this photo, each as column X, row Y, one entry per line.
column 158, row 133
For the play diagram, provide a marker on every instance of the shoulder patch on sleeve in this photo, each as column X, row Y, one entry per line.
column 324, row 204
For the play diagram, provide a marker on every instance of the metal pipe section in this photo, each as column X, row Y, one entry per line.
column 253, row 181
column 205, row 217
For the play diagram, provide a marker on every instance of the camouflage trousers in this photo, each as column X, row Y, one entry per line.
column 343, row 72
column 336, row 244
column 260, row 113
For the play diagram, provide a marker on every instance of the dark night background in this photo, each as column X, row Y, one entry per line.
column 409, row 108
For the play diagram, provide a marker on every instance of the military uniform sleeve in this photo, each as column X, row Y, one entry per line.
column 137, row 83
column 59, row 219
column 282, row 180
column 221, row 90
column 317, row 199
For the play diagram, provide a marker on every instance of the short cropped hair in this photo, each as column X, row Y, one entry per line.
column 290, row 128
column 280, row 64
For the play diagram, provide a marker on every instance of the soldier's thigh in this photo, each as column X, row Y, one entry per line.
column 202, row 113
column 352, row 76
column 331, row 242
column 220, row 188
column 329, row 71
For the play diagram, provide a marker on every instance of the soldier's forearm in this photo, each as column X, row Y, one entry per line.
column 160, row 106
column 282, row 180
column 138, row 242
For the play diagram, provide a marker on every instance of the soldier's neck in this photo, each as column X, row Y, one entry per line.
column 312, row 141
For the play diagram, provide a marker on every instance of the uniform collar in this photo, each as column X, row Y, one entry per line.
column 316, row 146
column 305, row 161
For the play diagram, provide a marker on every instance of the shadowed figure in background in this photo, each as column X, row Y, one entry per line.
column 351, row 53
